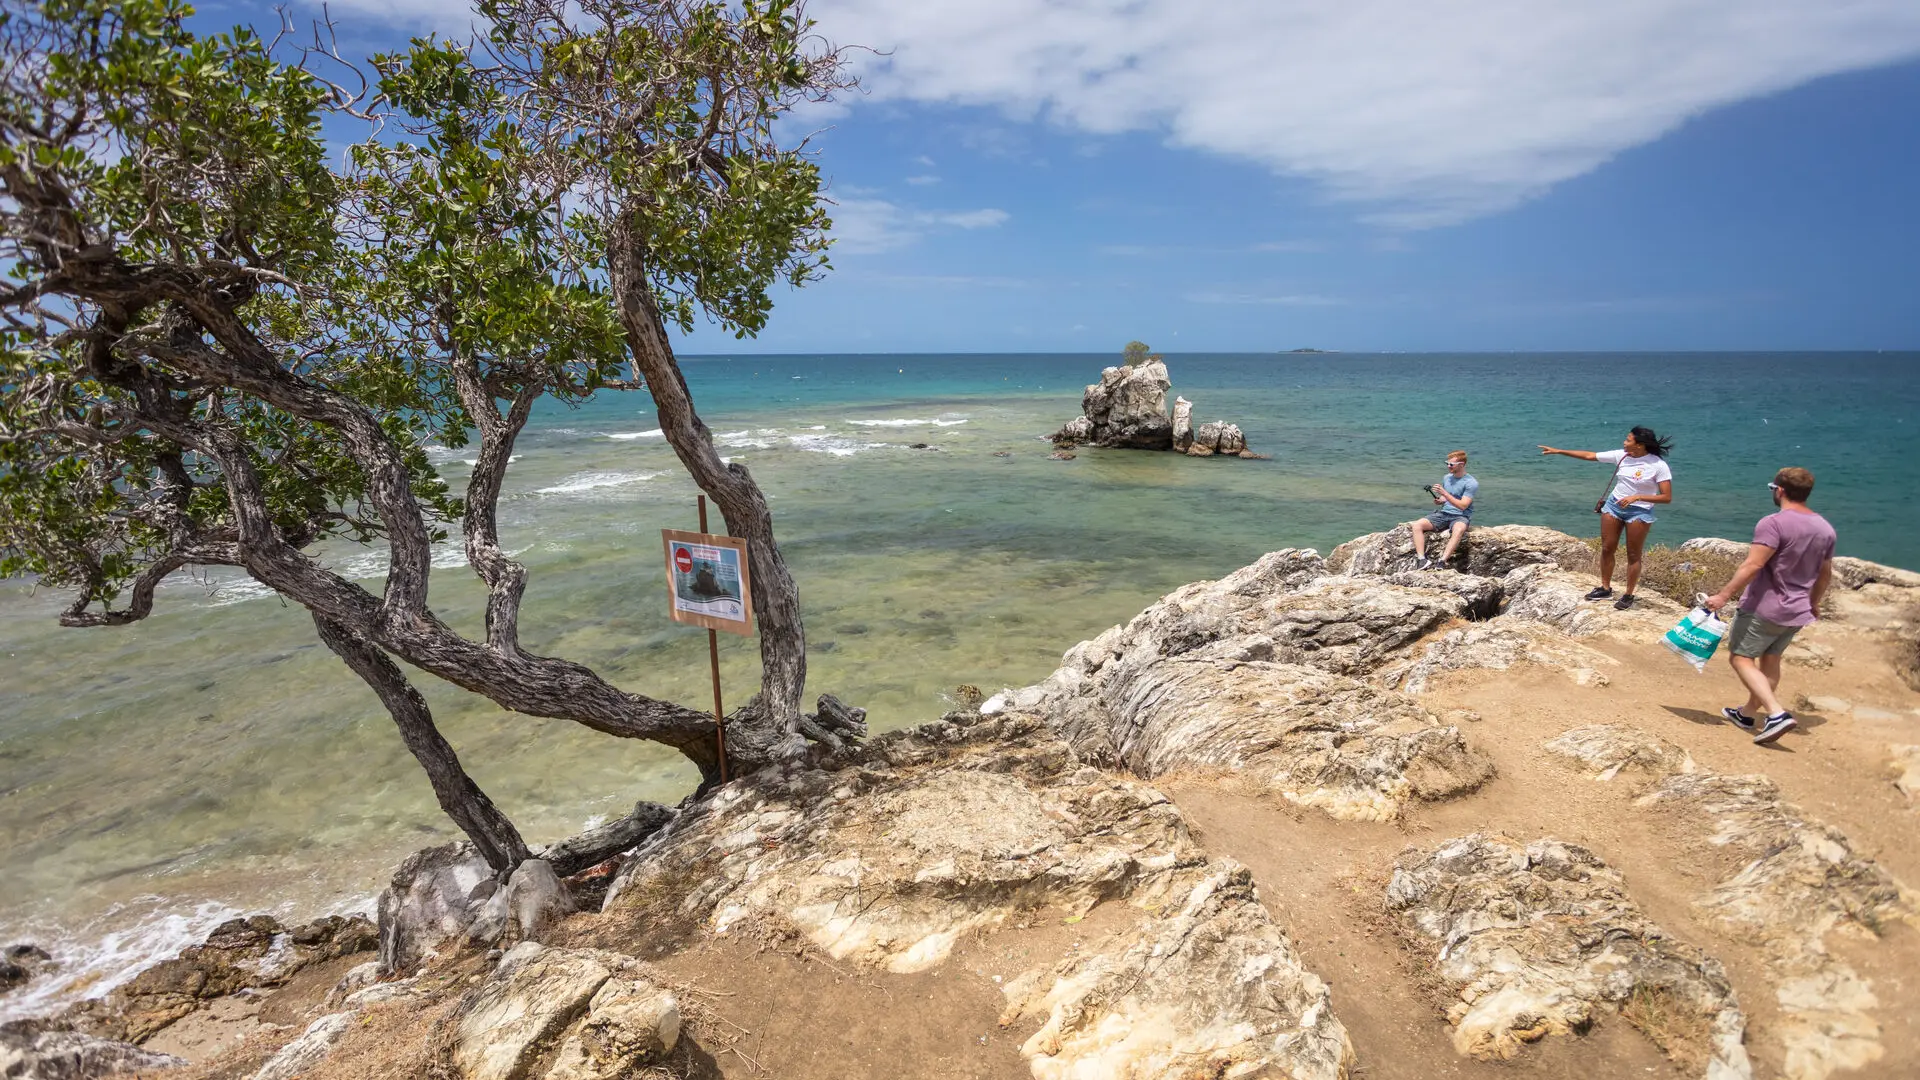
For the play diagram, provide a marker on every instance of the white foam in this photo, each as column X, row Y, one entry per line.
column 656, row 433
column 511, row 458
column 591, row 481
column 837, row 445
column 943, row 420
column 108, row 950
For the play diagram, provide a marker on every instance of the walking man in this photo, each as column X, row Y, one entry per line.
column 1785, row 577
column 1454, row 496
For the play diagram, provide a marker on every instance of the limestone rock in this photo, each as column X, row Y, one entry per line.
column 1487, row 550
column 1797, row 881
column 630, row 1023
column 1257, row 672
column 1213, row 989
column 534, row 994
column 889, row 866
column 1206, row 440
column 1906, row 767
column 1231, row 442
column 1077, row 430
column 534, row 898
column 1605, row 750
column 1182, row 424
column 1558, row 598
column 20, row 962
column 29, row 1051
column 1539, row 939
column 432, row 899
column 1497, row 645
column 239, row 954
column 1128, row 407
column 307, row 1050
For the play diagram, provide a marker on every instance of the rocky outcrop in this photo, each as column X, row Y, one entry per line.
column 1127, row 409
column 1498, row 646
column 1905, row 766
column 1604, row 751
column 1129, row 1008
column 241, row 954
column 601, row 1009
column 448, row 897
column 1787, row 883
column 307, row 1050
column 31, row 1051
column 1262, row 672
column 1487, row 551
column 1218, row 437
column 887, row 855
column 1792, row 882
column 20, row 963
column 1540, row 939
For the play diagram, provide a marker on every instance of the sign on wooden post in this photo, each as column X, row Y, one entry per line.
column 708, row 583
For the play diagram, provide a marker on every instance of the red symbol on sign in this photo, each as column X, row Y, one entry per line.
column 683, row 560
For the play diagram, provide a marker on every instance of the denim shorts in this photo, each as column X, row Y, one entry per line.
column 1440, row 522
column 1635, row 512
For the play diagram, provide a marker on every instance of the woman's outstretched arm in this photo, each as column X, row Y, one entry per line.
column 1583, row 455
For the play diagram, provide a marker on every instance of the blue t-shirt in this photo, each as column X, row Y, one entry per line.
column 1463, row 486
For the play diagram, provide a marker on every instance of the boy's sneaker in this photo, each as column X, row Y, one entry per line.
column 1623, row 603
column 1422, row 564
column 1740, row 720
column 1777, row 725
column 1600, row 594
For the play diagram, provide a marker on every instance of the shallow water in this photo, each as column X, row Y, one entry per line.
column 215, row 757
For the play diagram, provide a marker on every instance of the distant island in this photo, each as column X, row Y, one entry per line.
column 1312, row 350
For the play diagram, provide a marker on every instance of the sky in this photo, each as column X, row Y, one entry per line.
column 1369, row 175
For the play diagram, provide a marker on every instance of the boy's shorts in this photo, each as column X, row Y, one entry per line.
column 1442, row 522
column 1753, row 637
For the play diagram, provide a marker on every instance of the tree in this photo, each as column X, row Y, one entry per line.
column 1135, row 353
column 219, row 351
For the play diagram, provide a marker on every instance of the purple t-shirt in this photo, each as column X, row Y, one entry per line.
column 1782, row 591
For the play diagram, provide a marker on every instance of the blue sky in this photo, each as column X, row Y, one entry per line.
column 1246, row 175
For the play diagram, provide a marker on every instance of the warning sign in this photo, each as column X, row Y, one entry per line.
column 708, row 583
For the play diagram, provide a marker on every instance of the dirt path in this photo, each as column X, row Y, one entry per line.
column 1324, row 879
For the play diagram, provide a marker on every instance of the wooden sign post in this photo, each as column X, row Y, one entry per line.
column 709, row 584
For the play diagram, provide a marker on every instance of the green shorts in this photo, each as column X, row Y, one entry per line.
column 1753, row 637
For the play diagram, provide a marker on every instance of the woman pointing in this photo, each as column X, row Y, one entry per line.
column 1641, row 478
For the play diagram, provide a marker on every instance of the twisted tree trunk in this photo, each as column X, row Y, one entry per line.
column 492, row 834
column 767, row 728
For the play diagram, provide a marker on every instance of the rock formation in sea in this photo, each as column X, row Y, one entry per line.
column 1128, row 409
column 1041, row 836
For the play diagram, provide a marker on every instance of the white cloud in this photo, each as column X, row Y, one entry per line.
column 865, row 226
column 922, row 181
column 1426, row 113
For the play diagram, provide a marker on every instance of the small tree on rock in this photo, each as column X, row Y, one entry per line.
column 216, row 350
column 1135, row 354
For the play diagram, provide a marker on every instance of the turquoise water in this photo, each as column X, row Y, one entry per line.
column 214, row 757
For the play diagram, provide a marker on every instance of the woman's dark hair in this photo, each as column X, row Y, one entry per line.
column 1651, row 443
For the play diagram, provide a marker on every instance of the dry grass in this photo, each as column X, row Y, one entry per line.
column 1684, row 1034
column 1677, row 575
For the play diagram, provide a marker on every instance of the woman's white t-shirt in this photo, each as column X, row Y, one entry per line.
column 1638, row 475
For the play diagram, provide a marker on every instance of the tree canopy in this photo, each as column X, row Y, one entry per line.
column 1135, row 354
column 216, row 348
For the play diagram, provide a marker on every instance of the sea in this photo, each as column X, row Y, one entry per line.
column 215, row 759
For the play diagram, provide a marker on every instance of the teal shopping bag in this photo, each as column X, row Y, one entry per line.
column 1696, row 636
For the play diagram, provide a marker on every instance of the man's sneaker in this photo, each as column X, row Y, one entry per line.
column 1624, row 602
column 1777, row 725
column 1740, row 720
column 1600, row 594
